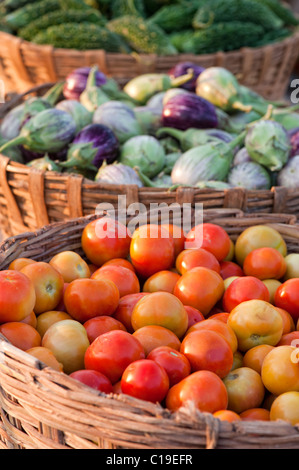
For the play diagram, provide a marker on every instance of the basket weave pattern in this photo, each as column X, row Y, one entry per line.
column 45, row 409
column 265, row 69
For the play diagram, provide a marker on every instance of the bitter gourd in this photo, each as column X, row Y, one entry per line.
column 23, row 16
column 251, row 11
column 180, row 38
column 127, row 7
column 82, row 36
column 60, row 17
column 151, row 6
column 282, row 11
column 175, row 17
column 224, row 37
column 12, row 5
column 141, row 35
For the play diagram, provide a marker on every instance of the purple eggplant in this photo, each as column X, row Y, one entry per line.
column 76, row 81
column 93, row 145
column 294, row 140
column 189, row 110
column 184, row 67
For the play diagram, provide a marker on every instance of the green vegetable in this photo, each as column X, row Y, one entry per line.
column 142, row 36
column 172, row 18
column 247, row 11
column 223, row 37
column 57, row 17
column 180, row 38
column 282, row 11
column 23, row 16
column 81, row 37
column 170, row 159
column 15, row 4
column 151, row 6
column 127, row 7
column 45, row 164
column 93, row 96
column 13, row 153
column 145, row 152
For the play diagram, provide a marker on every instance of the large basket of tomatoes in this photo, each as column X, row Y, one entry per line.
column 134, row 340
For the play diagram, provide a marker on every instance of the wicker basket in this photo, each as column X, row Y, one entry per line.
column 30, row 199
column 266, row 69
column 45, row 409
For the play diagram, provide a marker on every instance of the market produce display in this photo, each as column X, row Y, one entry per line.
column 189, row 127
column 208, row 320
column 145, row 26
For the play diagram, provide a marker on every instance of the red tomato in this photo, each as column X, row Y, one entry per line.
column 119, row 262
column 178, row 237
column 161, row 309
column 229, row 268
column 200, row 288
column 208, row 350
column 112, row 352
column 255, row 414
column 125, row 308
column 219, row 327
column 93, row 379
column 21, row 335
column 17, row 296
column 117, row 388
column 194, row 258
column 146, row 380
column 163, row 281
column 204, row 388
column 211, row 237
column 290, row 339
column 175, row 364
column 152, row 250
column 242, row 289
column 194, row 315
column 221, row 316
column 125, row 279
column 88, row 298
column 265, row 263
column 105, row 239
column 287, row 297
column 97, row 326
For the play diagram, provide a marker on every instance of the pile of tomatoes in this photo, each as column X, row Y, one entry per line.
column 166, row 317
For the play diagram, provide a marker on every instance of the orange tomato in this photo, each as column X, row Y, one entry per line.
column 245, row 389
column 178, row 236
column 97, row 326
column 243, row 289
column 222, row 316
column 70, row 265
column 238, row 360
column 20, row 263
column 154, row 336
column 17, row 296
column 88, row 298
column 227, row 415
column 162, row 309
column 152, row 250
column 286, row 408
column 255, row 414
column 194, row 258
column 204, row 388
column 45, row 355
column 118, row 262
column 200, row 288
column 30, row 319
column 254, row 357
column 46, row 319
column 208, row 350
column 255, row 322
column 125, row 279
column 162, row 281
column 219, row 327
column 125, row 307
column 210, row 237
column 280, row 371
column 288, row 322
column 265, row 263
column 105, row 239
column 21, row 335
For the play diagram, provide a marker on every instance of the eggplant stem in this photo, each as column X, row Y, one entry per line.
column 12, row 143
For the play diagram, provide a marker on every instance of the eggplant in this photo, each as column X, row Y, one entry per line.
column 193, row 137
column 49, row 131
column 188, row 110
column 249, row 175
column 143, row 87
column 79, row 113
column 294, row 141
column 145, row 152
column 117, row 173
column 289, row 174
column 45, row 164
column 93, row 96
column 149, row 119
column 76, row 81
column 182, row 68
column 93, row 145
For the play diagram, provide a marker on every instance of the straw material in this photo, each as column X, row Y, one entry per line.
column 265, row 69
column 45, row 409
